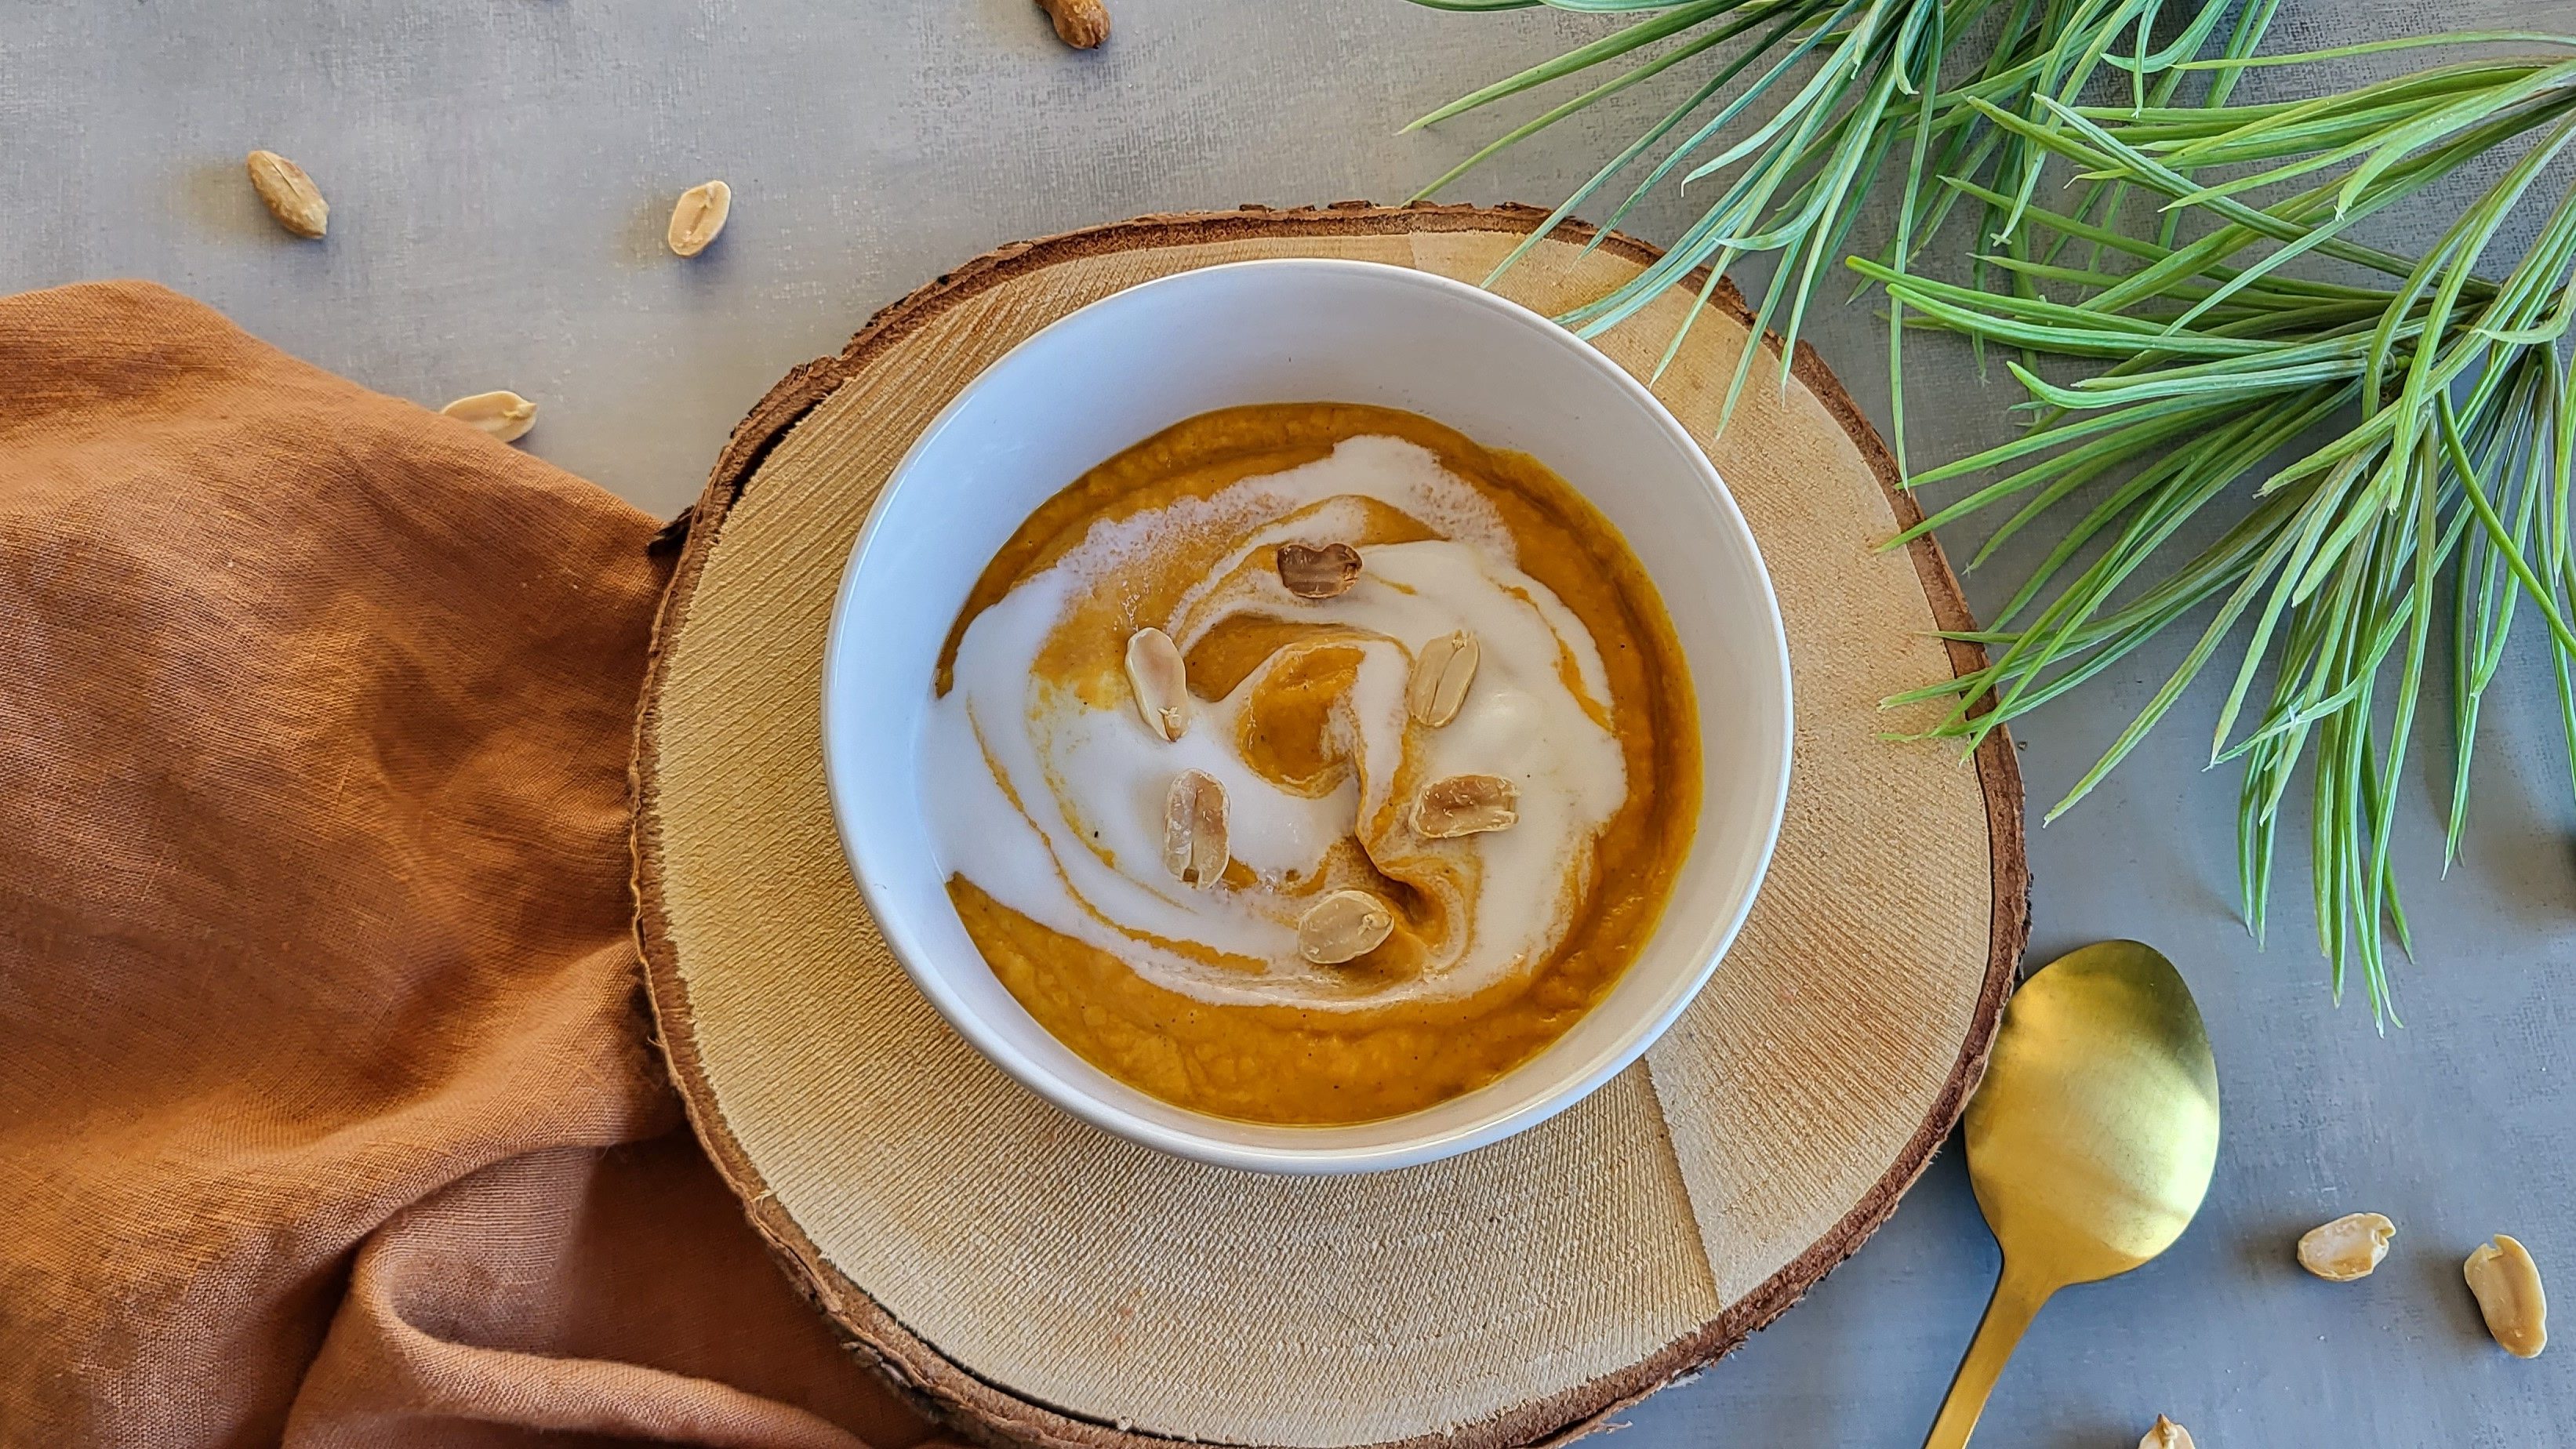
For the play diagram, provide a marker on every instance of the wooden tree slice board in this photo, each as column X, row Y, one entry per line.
column 1040, row 1282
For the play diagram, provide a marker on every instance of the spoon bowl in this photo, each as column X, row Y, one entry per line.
column 2090, row 1143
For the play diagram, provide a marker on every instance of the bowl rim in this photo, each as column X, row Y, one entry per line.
column 1716, row 939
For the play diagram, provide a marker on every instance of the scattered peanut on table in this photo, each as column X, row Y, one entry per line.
column 504, row 414
column 289, row 194
column 1081, row 24
column 2347, row 1248
column 2507, row 1285
column 697, row 218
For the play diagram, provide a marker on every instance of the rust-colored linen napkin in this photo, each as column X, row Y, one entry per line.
column 326, row 1108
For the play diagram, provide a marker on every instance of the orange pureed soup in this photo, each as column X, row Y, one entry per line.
column 1309, row 763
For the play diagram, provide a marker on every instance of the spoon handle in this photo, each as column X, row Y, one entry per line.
column 2016, row 1301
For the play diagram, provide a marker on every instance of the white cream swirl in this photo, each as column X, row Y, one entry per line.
column 1053, row 804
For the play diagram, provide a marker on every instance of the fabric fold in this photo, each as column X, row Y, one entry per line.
column 326, row 1110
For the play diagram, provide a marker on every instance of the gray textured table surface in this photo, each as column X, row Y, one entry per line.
column 499, row 173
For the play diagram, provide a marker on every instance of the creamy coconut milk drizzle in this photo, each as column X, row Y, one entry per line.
column 1051, row 798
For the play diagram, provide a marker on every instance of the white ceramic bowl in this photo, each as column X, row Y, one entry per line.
column 1134, row 363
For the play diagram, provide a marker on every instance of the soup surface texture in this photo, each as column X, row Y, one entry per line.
column 1309, row 763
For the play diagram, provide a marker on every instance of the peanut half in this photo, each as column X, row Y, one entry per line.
column 1318, row 573
column 1466, row 805
column 1081, row 24
column 289, row 194
column 1343, row 926
column 2166, row 1435
column 2347, row 1248
column 505, row 415
column 1161, row 682
column 1194, row 844
column 1441, row 674
column 2507, row 1285
column 699, row 216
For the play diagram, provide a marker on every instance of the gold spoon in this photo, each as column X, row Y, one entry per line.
column 2090, row 1143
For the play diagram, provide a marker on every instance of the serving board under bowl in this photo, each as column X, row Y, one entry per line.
column 1038, row 1281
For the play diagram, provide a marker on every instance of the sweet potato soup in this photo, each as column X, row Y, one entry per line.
column 1311, row 764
